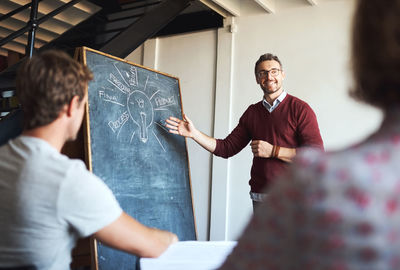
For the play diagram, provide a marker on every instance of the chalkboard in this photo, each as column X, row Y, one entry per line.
column 130, row 149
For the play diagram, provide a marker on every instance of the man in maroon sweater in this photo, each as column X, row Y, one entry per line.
column 276, row 127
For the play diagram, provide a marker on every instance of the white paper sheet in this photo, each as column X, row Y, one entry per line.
column 190, row 255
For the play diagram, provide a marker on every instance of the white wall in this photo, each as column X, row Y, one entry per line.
column 313, row 45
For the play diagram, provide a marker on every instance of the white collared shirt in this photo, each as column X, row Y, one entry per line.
column 276, row 102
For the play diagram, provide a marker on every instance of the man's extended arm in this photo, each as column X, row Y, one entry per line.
column 259, row 148
column 129, row 235
column 186, row 128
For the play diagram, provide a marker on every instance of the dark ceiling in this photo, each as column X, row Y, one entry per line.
column 122, row 26
column 196, row 16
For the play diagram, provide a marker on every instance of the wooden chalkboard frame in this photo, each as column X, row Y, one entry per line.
column 80, row 55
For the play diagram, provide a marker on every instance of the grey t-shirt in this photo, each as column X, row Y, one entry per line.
column 47, row 201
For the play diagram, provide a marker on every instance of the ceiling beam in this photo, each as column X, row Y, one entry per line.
column 3, row 52
column 232, row 6
column 268, row 5
column 21, row 39
column 85, row 6
column 210, row 4
column 312, row 2
column 15, row 47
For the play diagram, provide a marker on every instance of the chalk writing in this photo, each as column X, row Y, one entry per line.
column 141, row 104
column 109, row 98
column 141, row 112
column 162, row 102
column 132, row 76
column 118, row 84
column 115, row 125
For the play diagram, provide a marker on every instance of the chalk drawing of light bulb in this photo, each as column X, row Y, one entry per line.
column 141, row 112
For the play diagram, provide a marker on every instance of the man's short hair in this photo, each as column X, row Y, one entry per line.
column 267, row 57
column 47, row 82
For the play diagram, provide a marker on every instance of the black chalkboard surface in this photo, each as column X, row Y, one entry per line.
column 131, row 150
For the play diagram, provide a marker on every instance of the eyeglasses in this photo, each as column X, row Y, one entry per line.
column 264, row 73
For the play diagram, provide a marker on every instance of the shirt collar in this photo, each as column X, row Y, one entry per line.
column 276, row 102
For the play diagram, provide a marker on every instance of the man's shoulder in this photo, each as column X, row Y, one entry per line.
column 253, row 109
column 297, row 104
column 296, row 101
column 37, row 155
column 255, row 106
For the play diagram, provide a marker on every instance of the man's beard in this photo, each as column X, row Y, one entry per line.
column 269, row 92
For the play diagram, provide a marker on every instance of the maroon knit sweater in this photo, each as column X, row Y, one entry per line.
column 292, row 124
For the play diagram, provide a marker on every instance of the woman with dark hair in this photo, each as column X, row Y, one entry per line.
column 341, row 210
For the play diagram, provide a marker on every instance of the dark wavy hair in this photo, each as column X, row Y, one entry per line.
column 376, row 52
column 47, row 82
column 267, row 57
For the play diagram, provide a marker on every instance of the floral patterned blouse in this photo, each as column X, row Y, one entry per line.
column 331, row 211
